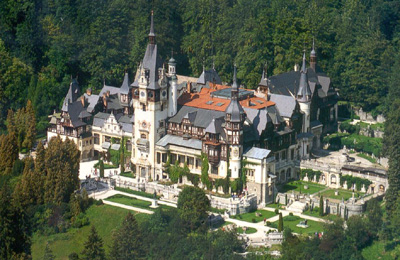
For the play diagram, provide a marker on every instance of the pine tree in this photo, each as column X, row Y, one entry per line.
column 204, row 171
column 62, row 166
column 8, row 152
column 101, row 165
column 40, row 173
column 14, row 232
column 30, row 126
column 25, row 193
column 280, row 223
column 321, row 206
column 127, row 240
column 121, row 162
column 93, row 247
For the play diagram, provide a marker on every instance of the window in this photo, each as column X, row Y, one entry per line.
column 143, row 107
column 164, row 157
column 96, row 138
column 158, row 158
column 143, row 136
column 162, row 107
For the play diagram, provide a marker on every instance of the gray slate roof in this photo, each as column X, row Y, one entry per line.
column 257, row 153
column 210, row 75
column 286, row 104
column 72, row 95
column 125, row 85
column 304, row 91
column 202, row 118
column 152, row 62
column 179, row 141
column 113, row 90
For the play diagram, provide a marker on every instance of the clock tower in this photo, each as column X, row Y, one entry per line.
column 150, row 104
column 234, row 119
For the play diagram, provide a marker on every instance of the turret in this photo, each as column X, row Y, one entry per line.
column 173, row 90
column 263, row 85
column 234, row 119
column 304, row 96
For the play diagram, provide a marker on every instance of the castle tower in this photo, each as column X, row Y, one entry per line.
column 234, row 119
column 313, row 56
column 304, row 96
column 150, row 103
column 263, row 85
column 173, row 93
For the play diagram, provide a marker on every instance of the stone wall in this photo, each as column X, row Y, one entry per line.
column 364, row 116
column 234, row 206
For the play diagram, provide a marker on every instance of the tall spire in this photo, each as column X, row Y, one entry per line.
column 313, row 56
column 304, row 92
column 235, row 88
column 152, row 35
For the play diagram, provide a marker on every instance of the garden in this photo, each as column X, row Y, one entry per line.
column 298, row 186
column 255, row 216
column 292, row 222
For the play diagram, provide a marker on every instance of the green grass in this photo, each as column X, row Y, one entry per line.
column 105, row 218
column 367, row 157
column 342, row 194
column 376, row 251
column 128, row 174
column 299, row 186
column 313, row 226
column 315, row 213
column 218, row 211
column 139, row 193
column 249, row 230
column 248, row 217
column 106, row 166
column 118, row 198
column 274, row 205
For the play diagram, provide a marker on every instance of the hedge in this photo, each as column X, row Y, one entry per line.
column 354, row 180
column 310, row 173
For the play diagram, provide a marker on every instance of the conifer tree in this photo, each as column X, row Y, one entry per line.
column 127, row 240
column 14, row 232
column 280, row 223
column 40, row 173
column 101, row 165
column 93, row 247
column 321, row 206
column 25, row 193
column 30, row 126
column 8, row 152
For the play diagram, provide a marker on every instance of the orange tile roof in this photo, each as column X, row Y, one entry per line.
column 203, row 100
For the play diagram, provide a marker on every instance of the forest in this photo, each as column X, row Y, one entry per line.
column 44, row 43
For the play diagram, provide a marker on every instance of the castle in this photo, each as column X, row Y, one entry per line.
column 162, row 115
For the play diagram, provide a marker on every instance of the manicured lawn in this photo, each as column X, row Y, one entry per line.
column 345, row 194
column 118, row 198
column 128, row 174
column 105, row 218
column 274, row 205
column 249, row 230
column 139, row 193
column 315, row 213
column 218, row 211
column 129, row 201
column 248, row 217
column 298, row 186
column 313, row 226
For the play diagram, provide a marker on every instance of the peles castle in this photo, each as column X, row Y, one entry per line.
column 162, row 116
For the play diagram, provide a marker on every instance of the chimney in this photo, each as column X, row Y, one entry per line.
column 296, row 67
column 108, row 93
column 188, row 90
column 89, row 91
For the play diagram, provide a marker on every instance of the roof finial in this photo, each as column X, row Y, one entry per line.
column 172, row 52
column 303, row 67
column 265, row 70
column 234, row 83
column 152, row 35
column 313, row 43
column 213, row 63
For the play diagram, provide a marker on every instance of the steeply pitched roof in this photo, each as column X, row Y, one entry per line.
column 125, row 85
column 210, row 75
column 202, row 118
column 72, row 95
column 285, row 104
column 304, row 92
